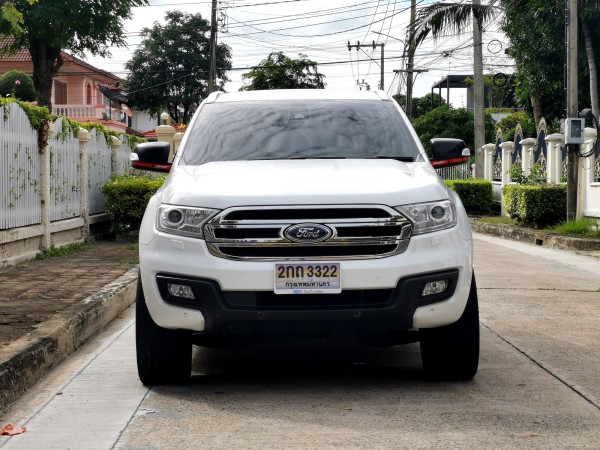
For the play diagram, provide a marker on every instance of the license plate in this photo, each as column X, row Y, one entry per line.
column 308, row 278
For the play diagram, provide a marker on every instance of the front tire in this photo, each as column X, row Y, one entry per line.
column 452, row 352
column 163, row 356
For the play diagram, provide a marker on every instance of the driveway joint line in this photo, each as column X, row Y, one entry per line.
column 74, row 376
column 545, row 369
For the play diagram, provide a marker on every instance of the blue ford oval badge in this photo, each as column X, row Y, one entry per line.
column 308, row 233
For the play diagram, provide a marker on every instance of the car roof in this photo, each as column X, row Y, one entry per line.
column 296, row 94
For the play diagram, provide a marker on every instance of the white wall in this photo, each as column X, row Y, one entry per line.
column 142, row 122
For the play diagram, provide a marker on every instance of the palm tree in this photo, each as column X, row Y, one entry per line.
column 588, row 13
column 444, row 19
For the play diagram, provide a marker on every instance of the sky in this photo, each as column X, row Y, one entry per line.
column 321, row 29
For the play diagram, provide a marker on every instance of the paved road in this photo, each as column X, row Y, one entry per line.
column 537, row 386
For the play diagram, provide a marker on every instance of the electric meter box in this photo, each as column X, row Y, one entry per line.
column 574, row 131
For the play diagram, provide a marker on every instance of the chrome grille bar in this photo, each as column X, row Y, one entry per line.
column 362, row 235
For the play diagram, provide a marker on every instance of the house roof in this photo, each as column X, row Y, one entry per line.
column 19, row 56
column 113, row 93
column 458, row 81
column 23, row 55
column 452, row 81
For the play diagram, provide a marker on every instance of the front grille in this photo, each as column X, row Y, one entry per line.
column 271, row 301
column 257, row 233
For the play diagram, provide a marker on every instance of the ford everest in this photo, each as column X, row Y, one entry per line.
column 303, row 212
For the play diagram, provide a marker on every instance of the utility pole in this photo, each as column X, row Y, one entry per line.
column 478, row 93
column 358, row 45
column 212, row 66
column 410, row 63
column 572, row 106
column 409, row 72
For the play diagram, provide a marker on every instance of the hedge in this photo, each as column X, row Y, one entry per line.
column 127, row 197
column 476, row 194
column 536, row 206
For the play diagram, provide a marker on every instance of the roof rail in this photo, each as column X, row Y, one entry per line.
column 382, row 94
column 213, row 96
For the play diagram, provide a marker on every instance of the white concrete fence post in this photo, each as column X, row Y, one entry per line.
column 527, row 146
column 84, row 137
column 115, row 144
column 586, row 171
column 555, row 143
column 177, row 137
column 45, row 196
column 507, row 149
column 166, row 133
column 488, row 160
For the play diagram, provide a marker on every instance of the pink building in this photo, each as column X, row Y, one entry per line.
column 82, row 92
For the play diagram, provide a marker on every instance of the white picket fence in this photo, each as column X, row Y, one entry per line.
column 100, row 170
column 65, row 172
column 19, row 170
column 51, row 198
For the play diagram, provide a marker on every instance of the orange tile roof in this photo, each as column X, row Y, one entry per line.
column 23, row 55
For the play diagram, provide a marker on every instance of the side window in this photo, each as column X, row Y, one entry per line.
column 88, row 94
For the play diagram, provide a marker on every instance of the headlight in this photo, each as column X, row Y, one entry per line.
column 184, row 221
column 429, row 217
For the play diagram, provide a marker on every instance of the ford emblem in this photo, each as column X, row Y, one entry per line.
column 308, row 233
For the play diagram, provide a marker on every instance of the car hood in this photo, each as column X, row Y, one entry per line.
column 299, row 182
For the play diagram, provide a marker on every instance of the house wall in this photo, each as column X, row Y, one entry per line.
column 20, row 66
column 142, row 122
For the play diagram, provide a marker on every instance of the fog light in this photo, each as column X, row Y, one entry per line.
column 181, row 291
column 435, row 287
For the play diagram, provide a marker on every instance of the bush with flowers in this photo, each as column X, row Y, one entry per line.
column 17, row 85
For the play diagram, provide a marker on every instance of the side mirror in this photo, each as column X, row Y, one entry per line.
column 153, row 156
column 448, row 152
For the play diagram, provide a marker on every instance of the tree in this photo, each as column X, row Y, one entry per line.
column 449, row 122
column 11, row 16
column 537, row 46
column 280, row 72
column 446, row 19
column 535, row 29
column 508, row 125
column 49, row 27
column 421, row 105
column 169, row 71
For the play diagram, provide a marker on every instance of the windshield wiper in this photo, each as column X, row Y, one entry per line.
column 397, row 158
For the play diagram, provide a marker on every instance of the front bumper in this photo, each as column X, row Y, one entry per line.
column 235, row 313
column 221, row 280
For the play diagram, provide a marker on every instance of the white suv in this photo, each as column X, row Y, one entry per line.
column 303, row 212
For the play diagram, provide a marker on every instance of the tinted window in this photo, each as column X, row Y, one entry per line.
column 298, row 129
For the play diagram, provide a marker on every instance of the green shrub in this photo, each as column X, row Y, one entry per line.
column 476, row 195
column 127, row 197
column 535, row 177
column 449, row 122
column 18, row 85
column 508, row 125
column 537, row 206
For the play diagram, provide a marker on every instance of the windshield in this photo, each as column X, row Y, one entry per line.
column 290, row 129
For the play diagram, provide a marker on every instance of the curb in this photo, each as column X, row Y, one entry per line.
column 535, row 237
column 30, row 358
